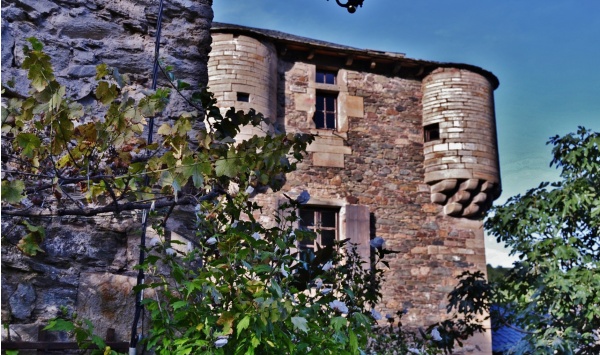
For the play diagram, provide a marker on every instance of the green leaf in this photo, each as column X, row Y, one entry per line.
column 98, row 341
column 165, row 130
column 101, row 71
column 179, row 304
column 30, row 243
column 57, row 98
column 182, row 85
column 228, row 166
column 29, row 142
column 38, row 64
column 106, row 93
column 196, row 170
column 35, row 43
column 12, row 191
column 243, row 324
column 59, row 324
column 338, row 322
column 353, row 341
column 300, row 323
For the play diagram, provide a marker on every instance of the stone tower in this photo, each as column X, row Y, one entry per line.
column 243, row 72
column 461, row 156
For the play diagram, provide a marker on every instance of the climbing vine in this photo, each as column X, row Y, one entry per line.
column 62, row 158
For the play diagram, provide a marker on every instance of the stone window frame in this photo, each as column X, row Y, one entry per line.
column 431, row 132
column 330, row 146
column 354, row 224
column 341, row 89
column 322, row 97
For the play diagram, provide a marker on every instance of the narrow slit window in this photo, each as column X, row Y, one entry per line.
column 325, row 111
column 243, row 97
column 432, row 132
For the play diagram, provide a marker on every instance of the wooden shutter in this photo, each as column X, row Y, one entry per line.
column 356, row 227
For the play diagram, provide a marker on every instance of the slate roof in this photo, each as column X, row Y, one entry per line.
column 503, row 337
column 387, row 61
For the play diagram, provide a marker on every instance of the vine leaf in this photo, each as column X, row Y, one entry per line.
column 58, row 324
column 300, row 323
column 106, row 93
column 227, row 166
column 12, row 191
column 243, row 324
column 165, row 130
column 167, row 179
column 30, row 243
column 39, row 66
column 29, row 142
column 196, row 170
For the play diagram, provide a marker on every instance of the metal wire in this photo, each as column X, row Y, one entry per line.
column 140, row 278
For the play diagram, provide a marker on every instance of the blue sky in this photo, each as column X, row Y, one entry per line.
column 545, row 53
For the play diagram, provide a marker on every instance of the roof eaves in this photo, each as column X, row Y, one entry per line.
column 285, row 38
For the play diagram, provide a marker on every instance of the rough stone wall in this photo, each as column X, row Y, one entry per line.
column 79, row 35
column 88, row 263
column 385, row 171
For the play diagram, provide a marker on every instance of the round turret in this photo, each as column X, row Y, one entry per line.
column 461, row 155
column 243, row 73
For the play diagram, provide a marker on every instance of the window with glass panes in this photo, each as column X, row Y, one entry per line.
column 324, row 221
column 325, row 77
column 325, row 116
column 325, row 111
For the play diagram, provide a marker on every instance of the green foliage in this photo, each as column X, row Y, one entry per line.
column 83, row 331
column 12, row 191
column 38, row 63
column 496, row 274
column 60, row 158
column 30, row 243
column 553, row 291
column 243, row 290
column 394, row 339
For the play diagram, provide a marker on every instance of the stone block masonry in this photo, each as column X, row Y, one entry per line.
column 243, row 75
column 461, row 163
column 424, row 197
column 88, row 262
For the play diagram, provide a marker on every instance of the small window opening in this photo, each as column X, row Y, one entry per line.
column 325, row 111
column 432, row 132
column 326, row 77
column 243, row 97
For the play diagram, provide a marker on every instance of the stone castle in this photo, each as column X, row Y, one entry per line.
column 405, row 150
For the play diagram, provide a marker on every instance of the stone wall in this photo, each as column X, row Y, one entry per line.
column 377, row 157
column 87, row 264
column 386, row 172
